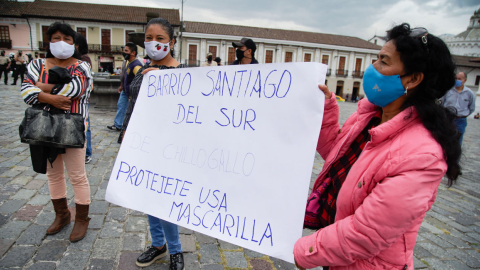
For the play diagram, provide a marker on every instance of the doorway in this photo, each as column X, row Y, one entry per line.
column 339, row 90
column 107, row 67
column 105, row 64
column 356, row 88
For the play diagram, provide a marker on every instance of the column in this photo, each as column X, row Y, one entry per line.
column 299, row 54
column 202, row 55
column 334, row 65
column 368, row 61
column 278, row 53
column 222, row 53
column 351, row 64
column 317, row 55
column 33, row 32
column 259, row 54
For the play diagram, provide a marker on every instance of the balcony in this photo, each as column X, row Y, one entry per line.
column 358, row 74
column 341, row 73
column 5, row 43
column 110, row 49
column 92, row 48
column 329, row 72
column 198, row 63
column 191, row 63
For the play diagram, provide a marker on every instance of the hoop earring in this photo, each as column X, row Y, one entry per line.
column 406, row 90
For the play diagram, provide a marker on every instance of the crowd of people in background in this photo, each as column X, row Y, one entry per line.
column 15, row 63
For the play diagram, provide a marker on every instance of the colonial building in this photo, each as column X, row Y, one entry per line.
column 466, row 43
column 23, row 26
column 378, row 40
column 107, row 28
column 347, row 57
column 14, row 28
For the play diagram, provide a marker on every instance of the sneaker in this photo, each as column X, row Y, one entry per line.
column 176, row 261
column 151, row 255
column 88, row 159
column 113, row 127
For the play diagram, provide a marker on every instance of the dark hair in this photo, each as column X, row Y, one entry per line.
column 65, row 29
column 132, row 47
column 217, row 59
column 81, row 41
column 166, row 26
column 436, row 64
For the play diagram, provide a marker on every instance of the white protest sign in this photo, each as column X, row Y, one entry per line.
column 226, row 151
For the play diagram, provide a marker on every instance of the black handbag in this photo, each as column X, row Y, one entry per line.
column 48, row 126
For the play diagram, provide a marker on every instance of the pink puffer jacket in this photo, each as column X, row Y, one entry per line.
column 385, row 196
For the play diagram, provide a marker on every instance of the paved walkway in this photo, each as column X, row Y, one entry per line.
column 449, row 238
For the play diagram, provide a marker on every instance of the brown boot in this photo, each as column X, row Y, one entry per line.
column 81, row 223
column 62, row 216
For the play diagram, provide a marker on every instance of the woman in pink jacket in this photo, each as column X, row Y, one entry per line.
column 383, row 167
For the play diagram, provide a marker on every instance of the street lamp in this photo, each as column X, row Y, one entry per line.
column 181, row 31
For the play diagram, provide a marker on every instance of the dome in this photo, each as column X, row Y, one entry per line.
column 476, row 14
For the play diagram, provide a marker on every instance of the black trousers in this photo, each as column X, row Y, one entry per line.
column 19, row 70
column 4, row 71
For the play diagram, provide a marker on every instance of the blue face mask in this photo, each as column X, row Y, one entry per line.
column 381, row 90
column 458, row 83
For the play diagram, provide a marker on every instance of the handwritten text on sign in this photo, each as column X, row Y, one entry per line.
column 225, row 151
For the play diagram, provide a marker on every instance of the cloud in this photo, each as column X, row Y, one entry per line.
column 342, row 17
column 438, row 16
column 213, row 16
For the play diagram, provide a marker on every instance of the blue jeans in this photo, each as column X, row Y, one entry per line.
column 121, row 109
column 88, row 153
column 161, row 229
column 461, row 124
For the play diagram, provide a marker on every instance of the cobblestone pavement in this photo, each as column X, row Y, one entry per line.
column 448, row 239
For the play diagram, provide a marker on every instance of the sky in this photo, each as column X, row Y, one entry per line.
column 359, row 18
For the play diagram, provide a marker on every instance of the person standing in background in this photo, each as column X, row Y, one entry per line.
column 20, row 64
column 219, row 61
column 4, row 66
column 210, row 61
column 13, row 64
column 129, row 70
column 245, row 52
column 30, row 59
column 82, row 48
column 462, row 100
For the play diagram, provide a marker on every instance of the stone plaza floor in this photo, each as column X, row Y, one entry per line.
column 449, row 237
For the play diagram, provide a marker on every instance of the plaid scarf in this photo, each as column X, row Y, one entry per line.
column 328, row 191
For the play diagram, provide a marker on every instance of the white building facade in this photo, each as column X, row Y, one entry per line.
column 466, row 43
column 346, row 63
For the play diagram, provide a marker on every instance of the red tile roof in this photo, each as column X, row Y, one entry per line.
column 97, row 12
column 12, row 8
column 466, row 61
column 269, row 33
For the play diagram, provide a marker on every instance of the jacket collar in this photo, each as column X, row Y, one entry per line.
column 391, row 127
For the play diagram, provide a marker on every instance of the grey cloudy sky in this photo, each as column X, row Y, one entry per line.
column 344, row 17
